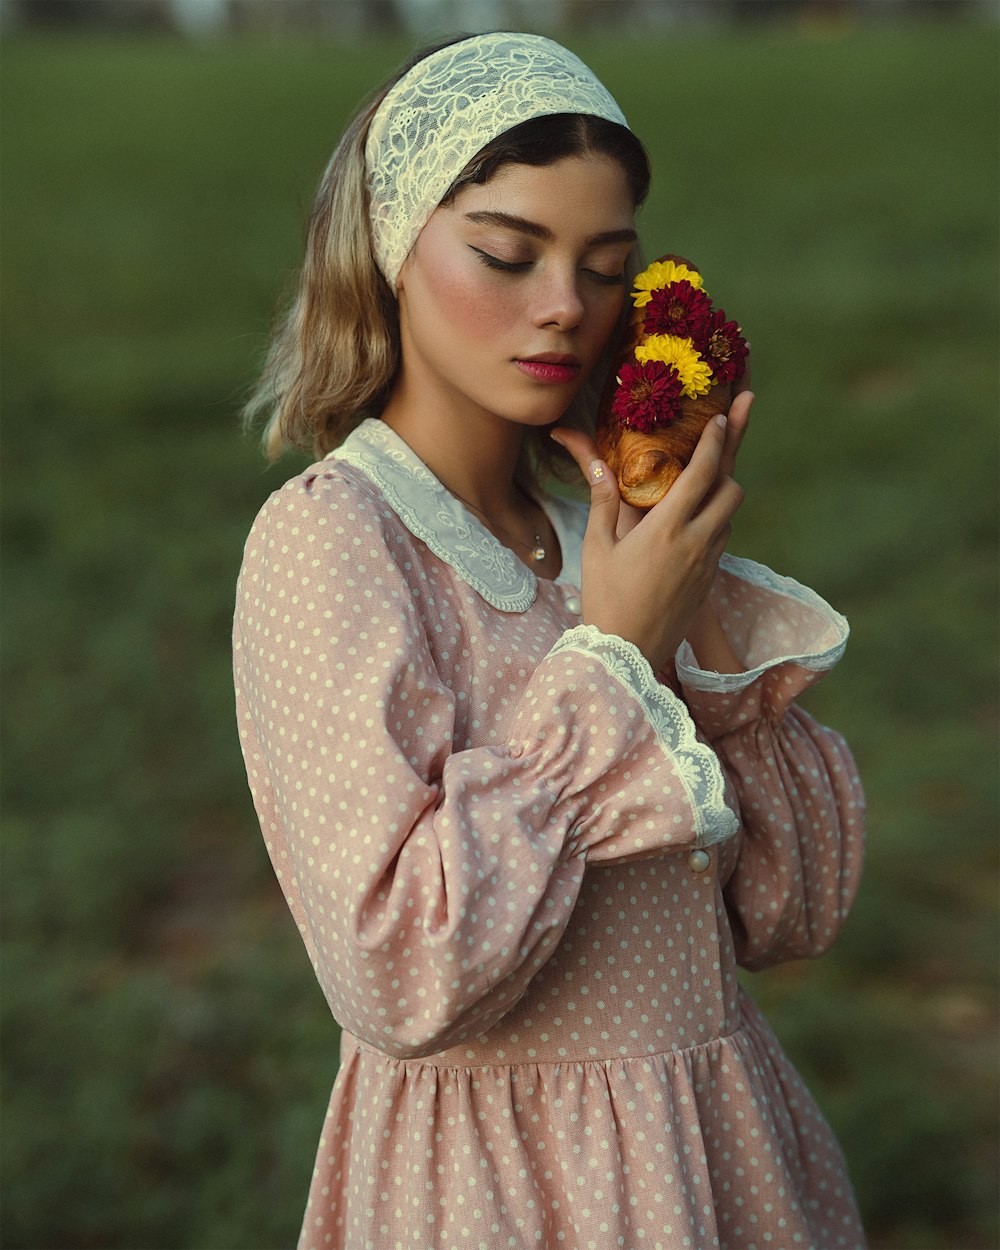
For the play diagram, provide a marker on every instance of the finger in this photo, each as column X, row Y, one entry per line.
column 628, row 519
column 721, row 506
column 699, row 476
column 736, row 428
column 720, row 543
column 580, row 446
column 605, row 500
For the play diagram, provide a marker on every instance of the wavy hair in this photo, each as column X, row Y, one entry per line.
column 335, row 352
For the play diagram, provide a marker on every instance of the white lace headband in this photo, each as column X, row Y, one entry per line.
column 447, row 108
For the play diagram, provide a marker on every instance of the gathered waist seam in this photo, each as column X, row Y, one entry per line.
column 425, row 1061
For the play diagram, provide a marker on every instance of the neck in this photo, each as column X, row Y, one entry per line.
column 475, row 455
column 475, row 458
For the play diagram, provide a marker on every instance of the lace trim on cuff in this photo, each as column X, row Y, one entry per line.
column 835, row 629
column 697, row 764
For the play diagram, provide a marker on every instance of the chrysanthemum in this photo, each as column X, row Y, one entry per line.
column 679, row 309
column 662, row 273
column 695, row 375
column 724, row 348
column 647, row 395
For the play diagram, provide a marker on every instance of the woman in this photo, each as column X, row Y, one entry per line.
column 533, row 783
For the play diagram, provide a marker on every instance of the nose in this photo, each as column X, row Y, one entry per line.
column 558, row 301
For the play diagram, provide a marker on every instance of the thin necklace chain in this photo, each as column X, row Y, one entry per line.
column 536, row 550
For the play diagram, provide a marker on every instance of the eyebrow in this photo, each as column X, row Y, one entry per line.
column 523, row 226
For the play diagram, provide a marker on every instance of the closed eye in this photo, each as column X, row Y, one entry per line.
column 504, row 266
column 510, row 266
column 606, row 279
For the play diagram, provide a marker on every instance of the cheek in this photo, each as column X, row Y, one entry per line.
column 470, row 304
column 605, row 319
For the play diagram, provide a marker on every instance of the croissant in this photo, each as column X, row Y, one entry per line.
column 680, row 363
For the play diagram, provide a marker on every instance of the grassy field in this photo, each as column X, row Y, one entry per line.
column 167, row 1052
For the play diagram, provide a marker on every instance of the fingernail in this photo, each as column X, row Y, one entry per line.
column 720, row 420
column 596, row 470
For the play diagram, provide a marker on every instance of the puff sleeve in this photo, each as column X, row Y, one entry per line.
column 800, row 800
column 429, row 883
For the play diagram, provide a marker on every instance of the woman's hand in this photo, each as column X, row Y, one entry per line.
column 705, row 633
column 646, row 582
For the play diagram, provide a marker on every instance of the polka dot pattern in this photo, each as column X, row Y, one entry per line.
column 486, row 830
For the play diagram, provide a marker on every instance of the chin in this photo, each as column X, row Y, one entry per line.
column 540, row 416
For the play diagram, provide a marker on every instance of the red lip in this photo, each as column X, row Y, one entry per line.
column 549, row 367
column 551, row 358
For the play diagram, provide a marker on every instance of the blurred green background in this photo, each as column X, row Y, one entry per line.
column 167, row 1053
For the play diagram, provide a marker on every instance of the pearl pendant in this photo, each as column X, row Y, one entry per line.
column 538, row 551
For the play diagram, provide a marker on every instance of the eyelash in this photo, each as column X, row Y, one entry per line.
column 505, row 266
column 516, row 267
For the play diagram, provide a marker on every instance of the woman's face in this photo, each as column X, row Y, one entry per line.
column 511, row 291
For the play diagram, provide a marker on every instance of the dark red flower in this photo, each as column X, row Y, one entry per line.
column 647, row 395
column 678, row 309
column 724, row 348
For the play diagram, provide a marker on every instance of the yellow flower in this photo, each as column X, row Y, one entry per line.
column 694, row 373
column 659, row 274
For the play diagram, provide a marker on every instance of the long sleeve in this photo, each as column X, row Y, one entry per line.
column 431, row 883
column 800, row 800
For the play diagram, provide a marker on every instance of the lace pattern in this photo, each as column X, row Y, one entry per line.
column 447, row 108
column 832, row 633
column 437, row 518
column 697, row 764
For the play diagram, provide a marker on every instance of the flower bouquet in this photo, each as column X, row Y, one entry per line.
column 681, row 362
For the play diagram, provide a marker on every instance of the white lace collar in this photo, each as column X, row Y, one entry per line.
column 437, row 518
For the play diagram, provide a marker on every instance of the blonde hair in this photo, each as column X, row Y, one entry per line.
column 335, row 353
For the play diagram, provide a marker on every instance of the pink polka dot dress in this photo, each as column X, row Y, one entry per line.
column 525, row 870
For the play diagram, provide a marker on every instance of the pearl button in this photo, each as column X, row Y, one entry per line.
column 574, row 605
column 699, row 861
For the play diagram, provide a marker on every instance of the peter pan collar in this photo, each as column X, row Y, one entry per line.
column 432, row 514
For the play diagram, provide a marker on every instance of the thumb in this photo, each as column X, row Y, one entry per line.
column 605, row 500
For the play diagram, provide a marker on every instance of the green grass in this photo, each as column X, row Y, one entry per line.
column 168, row 1054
